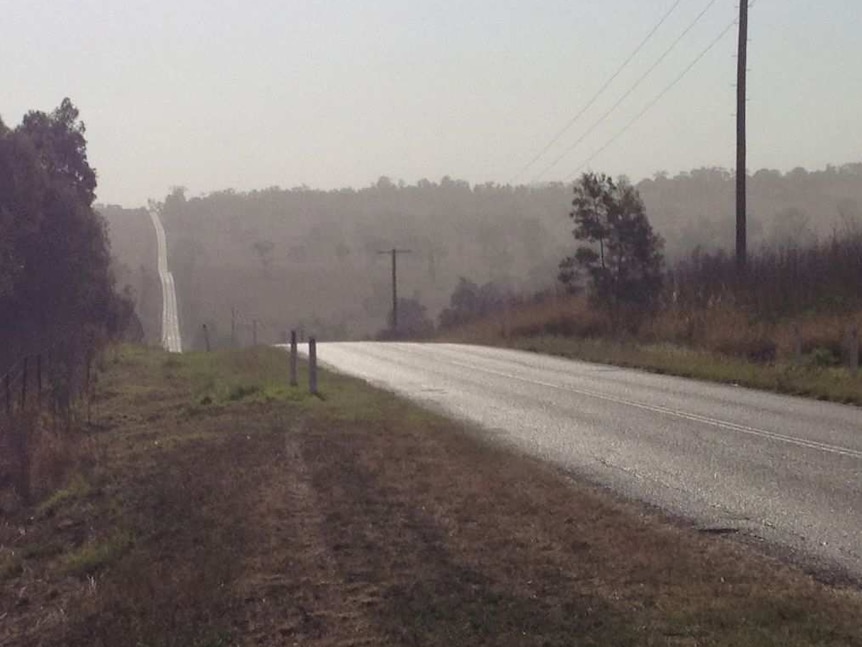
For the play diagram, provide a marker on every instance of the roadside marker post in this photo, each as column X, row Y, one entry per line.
column 293, row 380
column 312, row 365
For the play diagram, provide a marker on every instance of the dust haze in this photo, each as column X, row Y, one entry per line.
column 280, row 259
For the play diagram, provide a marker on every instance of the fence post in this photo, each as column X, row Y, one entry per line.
column 797, row 344
column 293, row 380
column 853, row 351
column 312, row 366
column 39, row 381
column 87, row 392
column 24, row 384
column 206, row 337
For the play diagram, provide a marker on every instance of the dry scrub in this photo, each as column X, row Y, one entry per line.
column 799, row 355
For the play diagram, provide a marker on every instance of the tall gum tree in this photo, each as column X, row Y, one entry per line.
column 620, row 256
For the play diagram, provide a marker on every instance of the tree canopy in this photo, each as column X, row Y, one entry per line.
column 55, row 275
column 622, row 256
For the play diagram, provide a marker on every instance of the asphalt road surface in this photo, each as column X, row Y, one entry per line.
column 171, row 339
column 782, row 469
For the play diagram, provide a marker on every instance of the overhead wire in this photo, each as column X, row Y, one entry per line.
column 658, row 98
column 628, row 92
column 595, row 97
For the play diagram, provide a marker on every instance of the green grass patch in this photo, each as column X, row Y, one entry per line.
column 94, row 556
column 806, row 379
column 77, row 489
column 11, row 566
column 42, row 549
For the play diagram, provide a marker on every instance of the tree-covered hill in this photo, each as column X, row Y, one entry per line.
column 309, row 258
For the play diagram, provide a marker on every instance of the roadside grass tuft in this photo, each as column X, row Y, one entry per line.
column 94, row 556
column 78, row 488
column 11, row 565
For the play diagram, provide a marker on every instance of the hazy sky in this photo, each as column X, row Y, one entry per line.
column 217, row 94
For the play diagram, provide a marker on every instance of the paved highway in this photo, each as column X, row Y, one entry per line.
column 171, row 339
column 783, row 469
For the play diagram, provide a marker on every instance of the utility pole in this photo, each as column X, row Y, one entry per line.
column 394, row 252
column 741, row 72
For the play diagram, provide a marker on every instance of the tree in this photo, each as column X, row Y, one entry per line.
column 413, row 321
column 791, row 228
column 55, row 273
column 62, row 148
column 470, row 301
column 263, row 249
column 622, row 257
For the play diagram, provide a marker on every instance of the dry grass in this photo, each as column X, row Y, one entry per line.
column 273, row 518
column 800, row 356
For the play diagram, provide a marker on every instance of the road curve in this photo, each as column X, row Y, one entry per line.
column 171, row 339
column 783, row 469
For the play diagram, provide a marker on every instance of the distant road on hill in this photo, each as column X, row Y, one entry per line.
column 171, row 339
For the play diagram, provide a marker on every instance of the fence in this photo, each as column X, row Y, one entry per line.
column 40, row 391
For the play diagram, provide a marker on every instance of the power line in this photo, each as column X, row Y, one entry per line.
column 589, row 103
column 628, row 93
column 658, row 98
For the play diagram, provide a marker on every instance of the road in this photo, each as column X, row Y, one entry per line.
column 782, row 469
column 171, row 339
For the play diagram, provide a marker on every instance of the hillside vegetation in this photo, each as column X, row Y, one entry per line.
column 134, row 256
column 787, row 320
column 306, row 258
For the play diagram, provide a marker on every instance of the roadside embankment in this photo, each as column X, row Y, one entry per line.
column 216, row 506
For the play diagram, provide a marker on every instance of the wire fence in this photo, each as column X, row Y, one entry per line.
column 43, row 391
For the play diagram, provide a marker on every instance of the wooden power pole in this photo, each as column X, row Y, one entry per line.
column 741, row 72
column 394, row 252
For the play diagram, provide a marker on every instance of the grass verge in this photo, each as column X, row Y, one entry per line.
column 226, row 509
column 797, row 356
column 823, row 383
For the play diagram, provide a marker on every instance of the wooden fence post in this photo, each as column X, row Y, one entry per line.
column 312, row 366
column 206, row 337
column 24, row 385
column 293, row 380
column 853, row 351
column 87, row 391
column 797, row 344
column 39, row 380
